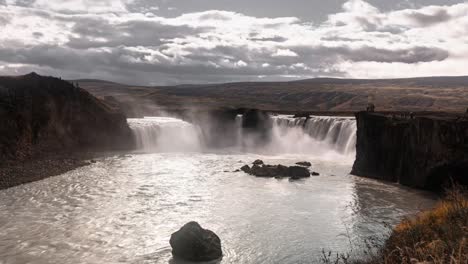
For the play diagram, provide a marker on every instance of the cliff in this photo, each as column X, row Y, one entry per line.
column 426, row 151
column 41, row 115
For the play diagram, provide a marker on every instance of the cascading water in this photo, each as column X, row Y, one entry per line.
column 318, row 136
column 148, row 196
column 165, row 134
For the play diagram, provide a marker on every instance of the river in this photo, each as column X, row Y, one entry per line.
column 123, row 208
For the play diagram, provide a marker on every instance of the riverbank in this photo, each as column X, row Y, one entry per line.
column 17, row 172
column 436, row 236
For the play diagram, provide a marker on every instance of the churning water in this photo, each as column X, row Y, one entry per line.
column 123, row 209
column 319, row 136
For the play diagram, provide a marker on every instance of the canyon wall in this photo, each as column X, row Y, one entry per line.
column 41, row 115
column 418, row 151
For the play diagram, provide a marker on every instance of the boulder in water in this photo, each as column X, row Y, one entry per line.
column 315, row 174
column 258, row 162
column 304, row 163
column 245, row 169
column 277, row 171
column 193, row 243
column 269, row 171
column 298, row 172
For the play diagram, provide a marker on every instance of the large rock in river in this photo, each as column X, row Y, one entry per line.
column 193, row 243
column 298, row 172
column 267, row 171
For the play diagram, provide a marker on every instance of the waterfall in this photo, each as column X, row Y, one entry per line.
column 165, row 134
column 314, row 135
column 317, row 135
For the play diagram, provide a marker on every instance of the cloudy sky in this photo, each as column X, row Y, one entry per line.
column 161, row 42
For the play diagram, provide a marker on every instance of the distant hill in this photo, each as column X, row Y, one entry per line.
column 320, row 94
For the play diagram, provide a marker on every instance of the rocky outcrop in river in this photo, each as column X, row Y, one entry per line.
column 193, row 243
column 423, row 151
column 48, row 115
column 259, row 169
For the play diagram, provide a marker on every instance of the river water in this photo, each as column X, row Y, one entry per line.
column 123, row 208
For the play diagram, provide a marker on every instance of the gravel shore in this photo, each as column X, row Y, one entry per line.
column 13, row 173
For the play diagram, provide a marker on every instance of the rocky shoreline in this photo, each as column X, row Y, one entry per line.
column 18, row 172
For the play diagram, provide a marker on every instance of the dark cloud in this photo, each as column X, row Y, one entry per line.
column 273, row 39
column 4, row 20
column 99, row 32
column 25, row 3
column 38, row 34
column 409, row 55
column 213, row 45
column 372, row 54
column 428, row 19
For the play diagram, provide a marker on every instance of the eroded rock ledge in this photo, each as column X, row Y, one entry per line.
column 422, row 151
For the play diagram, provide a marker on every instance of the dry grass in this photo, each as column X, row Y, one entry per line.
column 438, row 236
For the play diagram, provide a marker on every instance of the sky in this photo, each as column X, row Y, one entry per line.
column 167, row 42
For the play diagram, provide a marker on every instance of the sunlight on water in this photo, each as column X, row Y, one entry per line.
column 123, row 209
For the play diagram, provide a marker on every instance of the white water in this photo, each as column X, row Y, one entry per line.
column 165, row 134
column 321, row 136
column 123, row 209
column 327, row 137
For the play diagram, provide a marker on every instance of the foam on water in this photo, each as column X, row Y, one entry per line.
column 325, row 137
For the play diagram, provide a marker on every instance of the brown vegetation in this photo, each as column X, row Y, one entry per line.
column 314, row 95
column 437, row 236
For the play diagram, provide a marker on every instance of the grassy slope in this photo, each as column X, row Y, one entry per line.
column 340, row 95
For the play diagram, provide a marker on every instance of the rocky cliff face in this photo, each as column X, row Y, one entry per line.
column 420, row 151
column 44, row 114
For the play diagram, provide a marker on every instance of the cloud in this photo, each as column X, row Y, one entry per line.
column 114, row 39
column 81, row 6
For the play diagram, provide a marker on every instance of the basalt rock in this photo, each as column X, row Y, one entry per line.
column 297, row 172
column 257, row 125
column 304, row 163
column 258, row 162
column 423, row 151
column 277, row 171
column 193, row 243
column 245, row 169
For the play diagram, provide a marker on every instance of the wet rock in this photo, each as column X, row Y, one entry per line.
column 315, row 174
column 237, row 170
column 277, row 171
column 193, row 243
column 298, row 172
column 258, row 162
column 269, row 171
column 245, row 169
column 304, row 163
